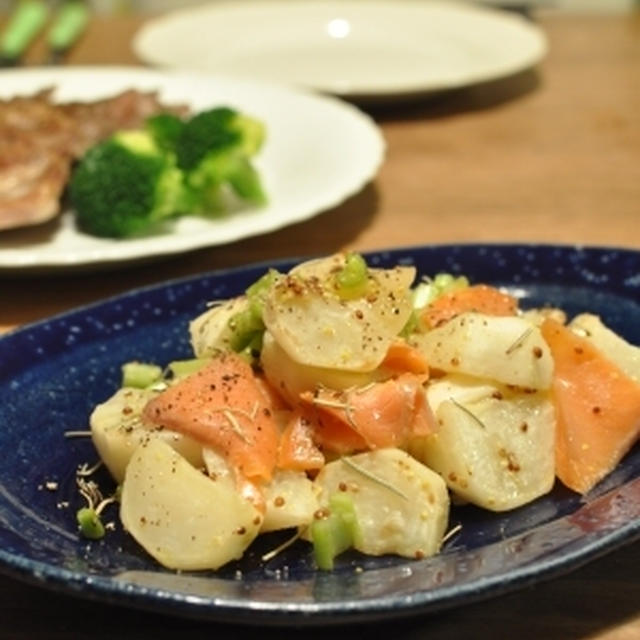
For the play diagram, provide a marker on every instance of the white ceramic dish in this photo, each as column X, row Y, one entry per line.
column 363, row 49
column 319, row 151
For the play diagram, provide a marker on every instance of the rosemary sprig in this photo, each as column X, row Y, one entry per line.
column 337, row 404
column 228, row 413
column 77, row 434
column 519, row 341
column 373, row 477
column 470, row 413
column 452, row 532
column 270, row 555
column 235, row 425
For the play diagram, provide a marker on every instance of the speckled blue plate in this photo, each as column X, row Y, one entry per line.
column 52, row 374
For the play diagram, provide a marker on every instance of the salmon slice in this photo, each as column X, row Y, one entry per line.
column 383, row 414
column 223, row 406
column 402, row 357
column 480, row 298
column 298, row 450
column 597, row 409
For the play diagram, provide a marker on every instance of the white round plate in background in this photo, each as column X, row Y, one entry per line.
column 319, row 151
column 352, row 48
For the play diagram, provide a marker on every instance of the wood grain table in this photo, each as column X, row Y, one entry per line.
column 551, row 155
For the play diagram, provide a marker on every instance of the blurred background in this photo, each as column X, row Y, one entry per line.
column 156, row 6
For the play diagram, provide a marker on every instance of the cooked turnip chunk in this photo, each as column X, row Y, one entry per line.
column 402, row 506
column 317, row 327
column 183, row 518
column 117, row 429
column 505, row 349
column 494, row 448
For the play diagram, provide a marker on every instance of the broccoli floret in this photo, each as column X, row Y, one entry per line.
column 214, row 149
column 206, row 132
column 125, row 185
column 135, row 179
column 165, row 129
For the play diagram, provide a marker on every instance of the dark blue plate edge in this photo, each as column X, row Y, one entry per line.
column 113, row 592
column 106, row 590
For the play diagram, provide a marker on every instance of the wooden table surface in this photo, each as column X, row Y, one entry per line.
column 551, row 155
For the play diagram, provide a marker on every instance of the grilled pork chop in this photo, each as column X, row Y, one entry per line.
column 40, row 139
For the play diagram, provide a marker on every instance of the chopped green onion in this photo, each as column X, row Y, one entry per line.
column 180, row 368
column 140, row 374
column 446, row 282
column 259, row 288
column 428, row 291
column 423, row 294
column 351, row 281
column 411, row 324
column 245, row 327
column 335, row 533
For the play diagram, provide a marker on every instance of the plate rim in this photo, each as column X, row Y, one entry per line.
column 106, row 589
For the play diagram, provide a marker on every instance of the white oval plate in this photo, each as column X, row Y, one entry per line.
column 352, row 48
column 319, row 151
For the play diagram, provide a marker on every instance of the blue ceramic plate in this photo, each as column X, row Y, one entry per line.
column 53, row 373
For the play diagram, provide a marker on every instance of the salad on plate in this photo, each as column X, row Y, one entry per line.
column 353, row 406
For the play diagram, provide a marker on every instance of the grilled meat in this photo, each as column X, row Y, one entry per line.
column 40, row 139
column 32, row 180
